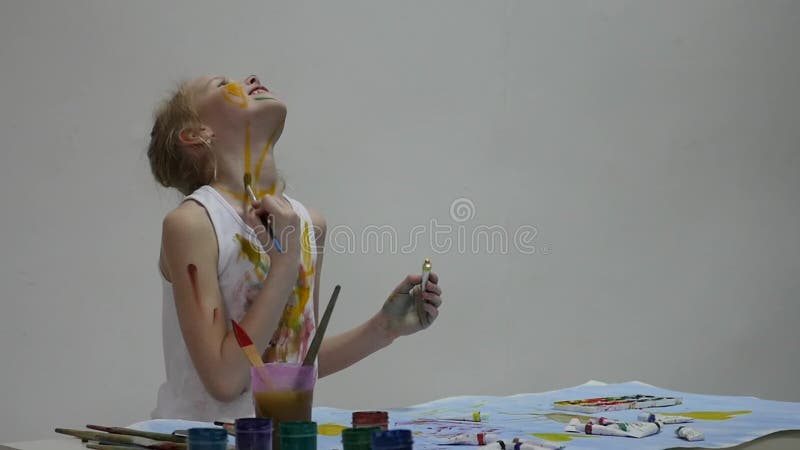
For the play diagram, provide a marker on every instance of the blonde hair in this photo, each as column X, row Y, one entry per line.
column 172, row 164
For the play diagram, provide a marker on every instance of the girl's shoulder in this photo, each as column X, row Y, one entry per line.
column 189, row 215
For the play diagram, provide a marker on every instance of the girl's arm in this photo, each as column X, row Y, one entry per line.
column 189, row 260
column 342, row 351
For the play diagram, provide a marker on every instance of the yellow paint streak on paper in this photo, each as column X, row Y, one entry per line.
column 331, row 429
column 235, row 94
column 558, row 437
column 708, row 415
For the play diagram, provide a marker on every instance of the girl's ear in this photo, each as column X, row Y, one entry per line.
column 190, row 136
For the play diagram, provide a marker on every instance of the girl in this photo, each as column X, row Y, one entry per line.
column 219, row 263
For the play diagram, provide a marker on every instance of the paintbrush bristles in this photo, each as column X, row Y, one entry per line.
column 248, row 187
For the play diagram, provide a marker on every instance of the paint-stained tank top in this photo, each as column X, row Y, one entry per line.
column 243, row 266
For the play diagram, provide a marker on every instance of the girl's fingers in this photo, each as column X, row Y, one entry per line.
column 432, row 311
column 434, row 300
column 433, row 288
column 409, row 282
column 434, row 277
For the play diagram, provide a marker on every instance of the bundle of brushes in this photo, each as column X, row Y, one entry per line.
column 117, row 438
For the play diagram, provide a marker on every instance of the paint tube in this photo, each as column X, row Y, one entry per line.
column 690, row 434
column 573, row 426
column 606, row 421
column 471, row 439
column 538, row 443
column 624, row 429
column 645, row 416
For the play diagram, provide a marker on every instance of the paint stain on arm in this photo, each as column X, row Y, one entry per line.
column 192, row 270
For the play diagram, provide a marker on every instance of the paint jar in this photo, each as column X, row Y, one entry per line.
column 254, row 433
column 283, row 392
column 298, row 435
column 392, row 440
column 358, row 438
column 207, row 439
column 371, row 419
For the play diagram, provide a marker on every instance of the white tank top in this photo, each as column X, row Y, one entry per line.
column 242, row 267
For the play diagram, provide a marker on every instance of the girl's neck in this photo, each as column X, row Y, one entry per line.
column 230, row 181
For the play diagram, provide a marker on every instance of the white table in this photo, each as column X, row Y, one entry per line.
column 784, row 440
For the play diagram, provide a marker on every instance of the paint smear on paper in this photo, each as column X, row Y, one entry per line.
column 709, row 415
column 558, row 437
column 331, row 429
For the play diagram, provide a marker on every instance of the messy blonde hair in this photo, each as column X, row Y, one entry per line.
column 172, row 164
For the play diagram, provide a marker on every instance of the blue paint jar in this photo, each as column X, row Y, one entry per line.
column 392, row 440
column 207, row 439
column 254, row 433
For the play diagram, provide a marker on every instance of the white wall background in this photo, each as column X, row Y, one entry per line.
column 654, row 145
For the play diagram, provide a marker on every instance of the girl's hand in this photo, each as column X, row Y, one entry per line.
column 410, row 309
column 278, row 212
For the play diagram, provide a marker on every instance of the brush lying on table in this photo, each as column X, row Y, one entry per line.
column 114, row 441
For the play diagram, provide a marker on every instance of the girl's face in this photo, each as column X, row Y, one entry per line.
column 222, row 102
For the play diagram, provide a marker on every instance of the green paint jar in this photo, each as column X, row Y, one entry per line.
column 298, row 436
column 358, row 438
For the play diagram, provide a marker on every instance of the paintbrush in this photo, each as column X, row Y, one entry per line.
column 132, row 432
column 108, row 447
column 249, row 349
column 248, row 185
column 313, row 349
column 121, row 439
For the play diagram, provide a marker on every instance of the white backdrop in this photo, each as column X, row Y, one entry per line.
column 653, row 146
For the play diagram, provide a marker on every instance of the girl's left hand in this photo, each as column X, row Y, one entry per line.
column 410, row 309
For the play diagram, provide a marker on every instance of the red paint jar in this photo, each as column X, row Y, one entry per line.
column 363, row 419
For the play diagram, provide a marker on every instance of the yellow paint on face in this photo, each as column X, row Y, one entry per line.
column 709, row 415
column 331, row 429
column 558, row 437
column 234, row 93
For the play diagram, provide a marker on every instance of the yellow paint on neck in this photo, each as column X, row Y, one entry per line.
column 247, row 151
column 331, row 429
column 709, row 415
column 235, row 94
